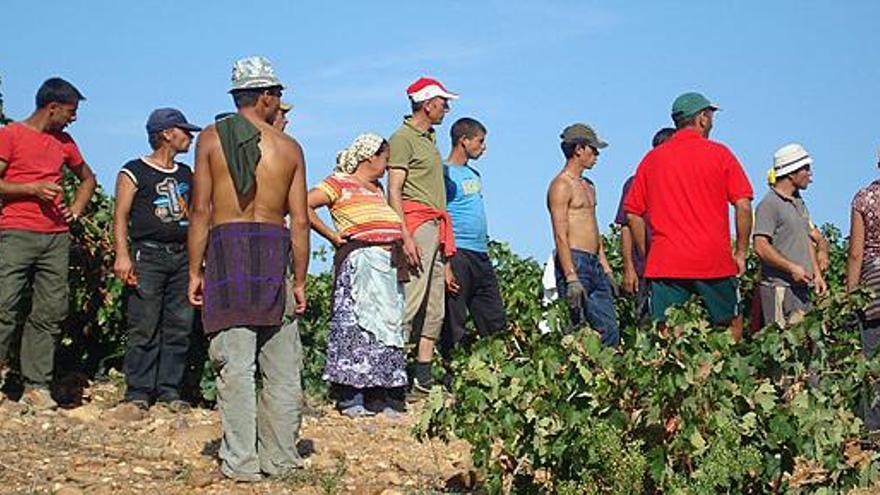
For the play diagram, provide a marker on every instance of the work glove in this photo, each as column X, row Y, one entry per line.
column 575, row 294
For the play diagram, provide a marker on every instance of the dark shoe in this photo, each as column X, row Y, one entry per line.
column 141, row 404
column 422, row 387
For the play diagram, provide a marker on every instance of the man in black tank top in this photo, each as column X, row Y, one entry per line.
column 152, row 197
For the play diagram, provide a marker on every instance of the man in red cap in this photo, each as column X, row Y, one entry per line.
column 418, row 193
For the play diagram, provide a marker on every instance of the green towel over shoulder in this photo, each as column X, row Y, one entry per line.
column 241, row 147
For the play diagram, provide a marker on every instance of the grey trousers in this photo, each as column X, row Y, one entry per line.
column 260, row 431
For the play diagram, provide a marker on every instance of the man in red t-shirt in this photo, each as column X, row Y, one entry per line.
column 33, row 229
column 683, row 187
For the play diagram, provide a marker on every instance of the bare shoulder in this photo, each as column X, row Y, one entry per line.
column 559, row 185
column 208, row 137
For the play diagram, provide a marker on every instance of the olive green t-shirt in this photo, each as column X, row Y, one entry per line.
column 416, row 152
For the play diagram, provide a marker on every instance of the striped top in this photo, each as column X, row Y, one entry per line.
column 359, row 212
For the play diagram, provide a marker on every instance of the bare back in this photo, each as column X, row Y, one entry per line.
column 576, row 197
column 269, row 200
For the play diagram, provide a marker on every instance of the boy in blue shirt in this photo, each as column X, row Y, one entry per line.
column 471, row 283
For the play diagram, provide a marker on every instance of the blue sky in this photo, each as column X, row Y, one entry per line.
column 783, row 71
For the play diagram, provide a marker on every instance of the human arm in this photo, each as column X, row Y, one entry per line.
column 125, row 191
column 603, row 260
column 856, row 252
column 316, row 199
column 452, row 285
column 770, row 255
column 43, row 190
column 630, row 276
column 558, row 199
column 298, row 207
column 639, row 232
column 743, row 209
column 83, row 193
column 819, row 283
column 396, row 178
column 200, row 213
column 821, row 247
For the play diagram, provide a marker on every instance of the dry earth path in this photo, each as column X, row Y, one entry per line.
column 102, row 447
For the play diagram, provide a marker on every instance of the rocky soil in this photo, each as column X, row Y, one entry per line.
column 103, row 447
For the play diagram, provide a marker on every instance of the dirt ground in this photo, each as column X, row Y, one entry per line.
column 101, row 447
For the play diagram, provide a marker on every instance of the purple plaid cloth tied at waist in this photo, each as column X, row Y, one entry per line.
column 244, row 275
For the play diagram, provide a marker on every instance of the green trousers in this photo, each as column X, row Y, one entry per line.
column 40, row 259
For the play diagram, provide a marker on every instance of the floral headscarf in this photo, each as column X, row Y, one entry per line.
column 362, row 148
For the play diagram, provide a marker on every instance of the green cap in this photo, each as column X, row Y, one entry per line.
column 582, row 132
column 689, row 104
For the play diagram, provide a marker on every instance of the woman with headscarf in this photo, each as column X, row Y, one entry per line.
column 863, row 268
column 365, row 346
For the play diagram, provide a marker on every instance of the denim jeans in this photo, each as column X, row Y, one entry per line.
column 259, row 434
column 44, row 257
column 160, row 322
column 598, row 304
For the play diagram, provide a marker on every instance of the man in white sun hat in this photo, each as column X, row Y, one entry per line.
column 418, row 193
column 783, row 239
column 248, row 175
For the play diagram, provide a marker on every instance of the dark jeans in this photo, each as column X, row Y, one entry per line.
column 478, row 293
column 160, row 321
column 598, row 305
column 42, row 258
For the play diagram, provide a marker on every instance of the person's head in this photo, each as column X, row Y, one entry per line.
column 169, row 127
column 281, row 120
column 429, row 98
column 693, row 110
column 367, row 154
column 256, row 87
column 470, row 136
column 580, row 144
column 58, row 100
column 662, row 136
column 792, row 164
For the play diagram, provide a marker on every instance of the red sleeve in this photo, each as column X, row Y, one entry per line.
column 635, row 201
column 73, row 158
column 738, row 185
column 6, row 139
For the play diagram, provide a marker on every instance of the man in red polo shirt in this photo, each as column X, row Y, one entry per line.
column 684, row 188
column 33, row 229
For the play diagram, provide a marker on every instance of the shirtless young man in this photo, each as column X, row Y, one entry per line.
column 582, row 272
column 248, row 175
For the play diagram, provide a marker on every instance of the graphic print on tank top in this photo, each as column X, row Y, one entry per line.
column 170, row 202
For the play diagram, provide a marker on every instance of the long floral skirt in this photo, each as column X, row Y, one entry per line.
column 354, row 356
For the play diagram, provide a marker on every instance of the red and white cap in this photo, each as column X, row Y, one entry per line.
column 426, row 88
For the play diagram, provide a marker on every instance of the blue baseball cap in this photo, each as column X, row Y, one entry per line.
column 167, row 118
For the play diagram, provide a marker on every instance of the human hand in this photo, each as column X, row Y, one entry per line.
column 299, row 295
column 820, row 285
column 338, row 240
column 452, row 285
column 196, row 290
column 45, row 190
column 412, row 252
column 68, row 214
column 799, row 274
column 630, row 280
column 740, row 259
column 124, row 270
column 575, row 294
